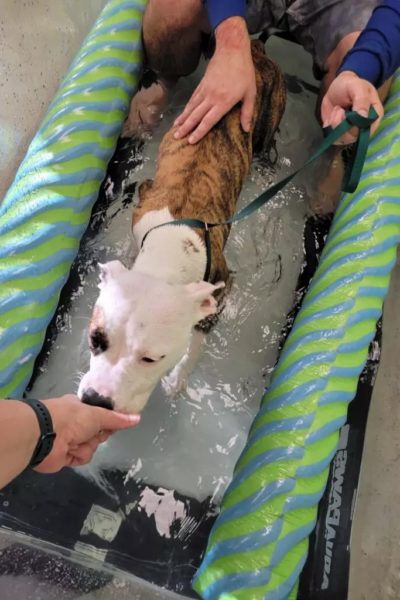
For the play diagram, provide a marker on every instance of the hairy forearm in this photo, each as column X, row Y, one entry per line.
column 19, row 434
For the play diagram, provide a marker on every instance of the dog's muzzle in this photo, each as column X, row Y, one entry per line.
column 92, row 398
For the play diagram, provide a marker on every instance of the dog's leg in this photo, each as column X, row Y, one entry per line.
column 176, row 381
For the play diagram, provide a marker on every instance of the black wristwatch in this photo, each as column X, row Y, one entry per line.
column 47, row 435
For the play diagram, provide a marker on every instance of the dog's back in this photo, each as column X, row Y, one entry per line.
column 204, row 180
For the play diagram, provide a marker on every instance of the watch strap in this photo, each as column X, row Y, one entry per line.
column 47, row 434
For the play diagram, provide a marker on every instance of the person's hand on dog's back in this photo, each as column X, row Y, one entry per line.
column 228, row 80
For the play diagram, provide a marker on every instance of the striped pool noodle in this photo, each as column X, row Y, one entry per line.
column 258, row 545
column 46, row 210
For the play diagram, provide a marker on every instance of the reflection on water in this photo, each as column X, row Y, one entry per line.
column 192, row 443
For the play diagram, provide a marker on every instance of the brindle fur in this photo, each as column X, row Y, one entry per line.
column 204, row 180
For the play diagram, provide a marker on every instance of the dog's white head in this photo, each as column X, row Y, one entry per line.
column 140, row 329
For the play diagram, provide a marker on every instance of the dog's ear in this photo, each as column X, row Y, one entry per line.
column 144, row 188
column 201, row 294
column 110, row 270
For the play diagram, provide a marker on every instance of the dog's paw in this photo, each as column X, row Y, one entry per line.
column 176, row 382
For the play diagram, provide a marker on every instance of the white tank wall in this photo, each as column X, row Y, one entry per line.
column 38, row 40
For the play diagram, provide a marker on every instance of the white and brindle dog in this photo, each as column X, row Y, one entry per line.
column 153, row 317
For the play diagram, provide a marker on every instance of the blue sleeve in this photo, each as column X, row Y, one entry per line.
column 376, row 54
column 219, row 10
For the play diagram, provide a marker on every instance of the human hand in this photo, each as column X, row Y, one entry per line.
column 348, row 91
column 229, row 79
column 80, row 428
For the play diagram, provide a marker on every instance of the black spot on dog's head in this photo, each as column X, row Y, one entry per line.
column 98, row 341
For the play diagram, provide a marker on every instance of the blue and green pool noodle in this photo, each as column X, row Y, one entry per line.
column 47, row 209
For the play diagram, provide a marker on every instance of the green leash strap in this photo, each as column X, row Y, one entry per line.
column 353, row 119
column 350, row 183
column 354, row 170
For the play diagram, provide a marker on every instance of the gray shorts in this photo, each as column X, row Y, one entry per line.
column 318, row 25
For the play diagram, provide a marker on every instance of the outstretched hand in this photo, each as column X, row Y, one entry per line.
column 228, row 80
column 80, row 428
column 348, row 91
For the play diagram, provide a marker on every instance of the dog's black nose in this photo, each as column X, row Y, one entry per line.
column 91, row 397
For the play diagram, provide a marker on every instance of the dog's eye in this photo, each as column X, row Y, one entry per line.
column 147, row 359
column 98, row 341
